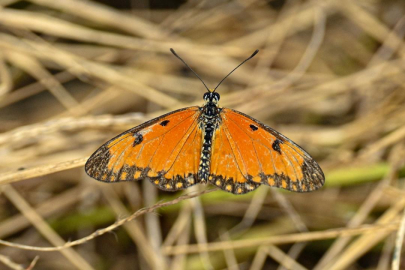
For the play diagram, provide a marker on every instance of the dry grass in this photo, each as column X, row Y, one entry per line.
column 329, row 75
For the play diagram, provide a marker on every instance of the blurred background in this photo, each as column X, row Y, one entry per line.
column 329, row 75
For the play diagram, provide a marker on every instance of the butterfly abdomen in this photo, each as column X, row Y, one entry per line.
column 208, row 123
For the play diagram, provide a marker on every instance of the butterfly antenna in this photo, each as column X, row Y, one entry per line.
column 184, row 62
column 250, row 57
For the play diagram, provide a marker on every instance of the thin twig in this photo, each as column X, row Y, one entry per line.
column 134, row 229
column 281, row 239
column 6, row 81
column 285, row 260
column 230, row 258
column 7, row 261
column 40, row 171
column 200, row 230
column 396, row 257
column 109, row 228
column 44, row 228
column 33, row 263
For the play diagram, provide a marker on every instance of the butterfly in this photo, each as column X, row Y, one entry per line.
column 207, row 144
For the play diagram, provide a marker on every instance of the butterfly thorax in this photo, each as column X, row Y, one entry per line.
column 208, row 123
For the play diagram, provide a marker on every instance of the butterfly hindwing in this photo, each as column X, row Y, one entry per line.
column 256, row 154
column 164, row 150
column 225, row 171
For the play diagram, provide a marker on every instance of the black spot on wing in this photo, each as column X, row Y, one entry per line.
column 276, row 145
column 138, row 139
column 253, row 127
column 164, row 123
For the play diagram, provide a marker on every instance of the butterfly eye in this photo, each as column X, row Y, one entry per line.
column 216, row 96
column 206, row 96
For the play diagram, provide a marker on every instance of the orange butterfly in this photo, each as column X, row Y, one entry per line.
column 195, row 145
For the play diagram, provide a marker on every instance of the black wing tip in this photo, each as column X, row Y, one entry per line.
column 313, row 174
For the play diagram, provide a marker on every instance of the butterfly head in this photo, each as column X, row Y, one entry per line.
column 211, row 97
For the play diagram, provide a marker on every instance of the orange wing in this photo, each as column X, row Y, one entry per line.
column 165, row 150
column 247, row 153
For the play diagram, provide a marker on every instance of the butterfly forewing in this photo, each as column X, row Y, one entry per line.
column 164, row 150
column 260, row 155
